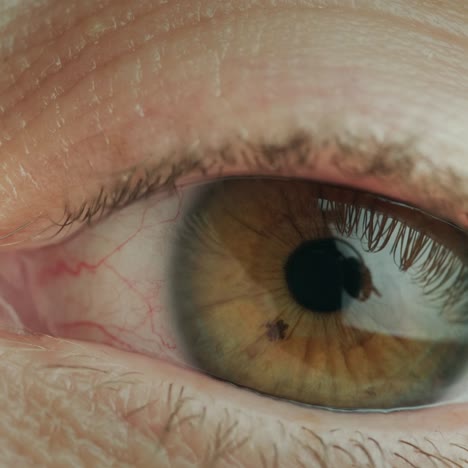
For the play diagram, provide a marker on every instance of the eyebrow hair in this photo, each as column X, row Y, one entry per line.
column 442, row 191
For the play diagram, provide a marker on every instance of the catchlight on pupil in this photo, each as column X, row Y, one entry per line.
column 321, row 295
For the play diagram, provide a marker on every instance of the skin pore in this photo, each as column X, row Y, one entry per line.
column 93, row 94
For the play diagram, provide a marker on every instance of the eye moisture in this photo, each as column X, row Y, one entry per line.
column 321, row 295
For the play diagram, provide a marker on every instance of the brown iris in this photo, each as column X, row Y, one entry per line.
column 321, row 295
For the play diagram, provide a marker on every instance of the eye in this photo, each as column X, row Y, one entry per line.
column 302, row 291
column 321, row 295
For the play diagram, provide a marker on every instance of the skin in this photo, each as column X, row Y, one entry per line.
column 90, row 90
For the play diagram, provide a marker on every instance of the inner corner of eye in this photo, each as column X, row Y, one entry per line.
column 315, row 294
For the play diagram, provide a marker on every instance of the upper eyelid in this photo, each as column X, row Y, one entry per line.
column 376, row 160
column 302, row 154
column 442, row 190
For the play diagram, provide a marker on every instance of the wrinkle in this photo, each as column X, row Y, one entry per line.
column 167, row 27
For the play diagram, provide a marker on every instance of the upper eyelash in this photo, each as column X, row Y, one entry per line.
column 366, row 158
column 136, row 185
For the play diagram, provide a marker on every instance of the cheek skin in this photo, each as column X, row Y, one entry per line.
column 115, row 407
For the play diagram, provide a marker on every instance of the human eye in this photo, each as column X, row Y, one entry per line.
column 112, row 139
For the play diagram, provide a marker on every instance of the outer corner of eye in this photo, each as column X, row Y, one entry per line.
column 288, row 288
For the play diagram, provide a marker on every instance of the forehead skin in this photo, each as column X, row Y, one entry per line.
column 91, row 87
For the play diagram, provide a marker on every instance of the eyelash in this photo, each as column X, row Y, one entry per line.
column 297, row 153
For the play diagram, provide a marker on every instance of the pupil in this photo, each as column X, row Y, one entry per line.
column 317, row 275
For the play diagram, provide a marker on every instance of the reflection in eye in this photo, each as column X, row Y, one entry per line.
column 321, row 295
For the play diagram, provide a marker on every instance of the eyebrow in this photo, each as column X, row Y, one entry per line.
column 441, row 191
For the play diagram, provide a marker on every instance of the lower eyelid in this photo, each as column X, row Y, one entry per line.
column 221, row 423
column 169, row 413
column 257, row 431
